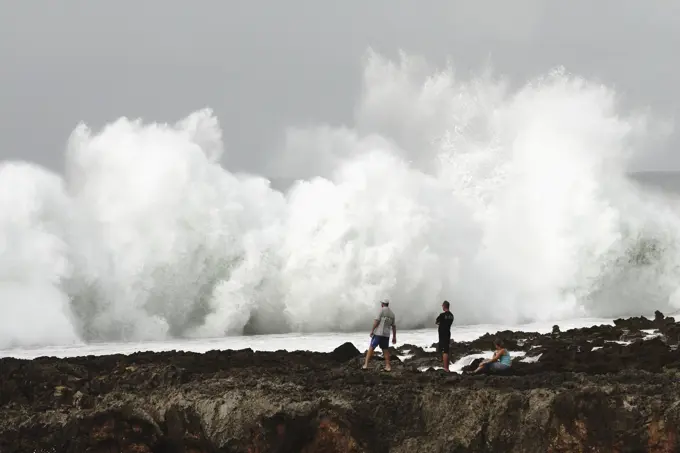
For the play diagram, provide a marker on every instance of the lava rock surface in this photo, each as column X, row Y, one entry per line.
column 599, row 389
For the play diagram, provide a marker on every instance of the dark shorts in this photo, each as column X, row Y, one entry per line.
column 444, row 345
column 383, row 342
column 495, row 367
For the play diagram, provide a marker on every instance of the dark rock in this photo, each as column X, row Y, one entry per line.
column 82, row 400
column 631, row 336
column 473, row 366
column 634, row 324
column 345, row 352
column 416, row 351
column 658, row 316
column 585, row 393
column 672, row 334
column 514, row 341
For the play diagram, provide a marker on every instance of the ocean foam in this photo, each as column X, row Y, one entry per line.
column 512, row 204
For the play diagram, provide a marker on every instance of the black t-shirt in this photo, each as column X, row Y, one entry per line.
column 445, row 320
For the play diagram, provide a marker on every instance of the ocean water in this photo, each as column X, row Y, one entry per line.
column 514, row 204
column 320, row 342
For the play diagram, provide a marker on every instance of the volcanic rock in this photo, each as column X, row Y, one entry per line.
column 635, row 324
column 345, row 352
column 576, row 397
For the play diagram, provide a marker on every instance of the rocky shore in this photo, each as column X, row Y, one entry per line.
column 600, row 389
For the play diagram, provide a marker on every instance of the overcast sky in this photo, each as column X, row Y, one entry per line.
column 265, row 65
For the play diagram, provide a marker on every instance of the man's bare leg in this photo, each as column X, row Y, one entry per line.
column 386, row 353
column 445, row 359
column 369, row 354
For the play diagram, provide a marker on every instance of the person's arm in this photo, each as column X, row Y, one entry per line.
column 394, row 332
column 376, row 321
column 439, row 319
column 375, row 324
column 495, row 357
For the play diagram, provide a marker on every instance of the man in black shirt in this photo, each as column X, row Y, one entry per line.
column 444, row 321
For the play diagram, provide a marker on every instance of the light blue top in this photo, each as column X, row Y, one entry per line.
column 505, row 358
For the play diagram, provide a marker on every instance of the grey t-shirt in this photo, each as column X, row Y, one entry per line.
column 386, row 320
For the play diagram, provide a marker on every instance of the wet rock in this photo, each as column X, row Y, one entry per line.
column 415, row 351
column 514, row 341
column 420, row 358
column 473, row 365
column 630, row 337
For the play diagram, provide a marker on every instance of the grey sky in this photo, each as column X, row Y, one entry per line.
column 263, row 66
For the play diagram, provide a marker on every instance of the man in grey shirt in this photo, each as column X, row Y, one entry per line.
column 383, row 323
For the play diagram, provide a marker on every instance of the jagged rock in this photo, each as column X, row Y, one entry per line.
column 345, row 352
column 672, row 334
column 634, row 324
column 472, row 366
column 658, row 316
column 576, row 397
column 628, row 336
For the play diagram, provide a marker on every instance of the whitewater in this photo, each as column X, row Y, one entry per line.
column 513, row 203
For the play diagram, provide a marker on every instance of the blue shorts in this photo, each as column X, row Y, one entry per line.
column 383, row 342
